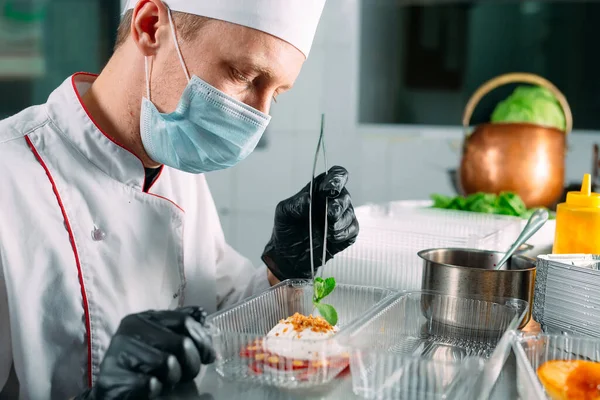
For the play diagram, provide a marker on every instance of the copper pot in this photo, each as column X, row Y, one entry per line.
column 526, row 159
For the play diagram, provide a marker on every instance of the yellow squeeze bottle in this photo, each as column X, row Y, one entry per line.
column 578, row 222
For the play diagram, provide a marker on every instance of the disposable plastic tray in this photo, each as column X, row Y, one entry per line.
column 391, row 235
column 567, row 294
column 426, row 345
column 532, row 351
column 245, row 354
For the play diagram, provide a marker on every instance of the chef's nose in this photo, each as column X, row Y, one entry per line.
column 260, row 100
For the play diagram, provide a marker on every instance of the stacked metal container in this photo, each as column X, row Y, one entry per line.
column 567, row 294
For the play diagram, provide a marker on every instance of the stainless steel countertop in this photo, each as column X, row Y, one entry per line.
column 212, row 387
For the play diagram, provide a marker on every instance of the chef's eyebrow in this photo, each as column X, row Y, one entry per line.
column 267, row 72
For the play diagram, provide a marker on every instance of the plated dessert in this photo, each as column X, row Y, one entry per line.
column 571, row 379
column 296, row 346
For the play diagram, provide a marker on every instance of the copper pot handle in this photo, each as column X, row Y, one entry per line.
column 517, row 77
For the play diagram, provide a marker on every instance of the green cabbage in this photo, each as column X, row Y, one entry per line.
column 530, row 104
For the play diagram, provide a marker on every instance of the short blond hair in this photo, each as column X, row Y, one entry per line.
column 188, row 25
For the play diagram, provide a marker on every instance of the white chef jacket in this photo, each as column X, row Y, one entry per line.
column 82, row 246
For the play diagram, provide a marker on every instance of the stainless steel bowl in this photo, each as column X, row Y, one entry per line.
column 469, row 272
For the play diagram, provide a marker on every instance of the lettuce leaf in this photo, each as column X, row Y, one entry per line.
column 506, row 203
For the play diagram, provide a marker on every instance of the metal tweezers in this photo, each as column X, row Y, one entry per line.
column 320, row 145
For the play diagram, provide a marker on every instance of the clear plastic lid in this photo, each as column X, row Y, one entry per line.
column 245, row 353
column 426, row 345
column 391, row 235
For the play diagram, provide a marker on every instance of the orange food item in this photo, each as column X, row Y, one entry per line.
column 320, row 363
column 273, row 359
column 571, row 380
column 301, row 322
column 298, row 363
column 260, row 357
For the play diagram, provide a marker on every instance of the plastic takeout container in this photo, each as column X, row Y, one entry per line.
column 532, row 351
column 410, row 350
column 391, row 235
column 245, row 354
column 567, row 294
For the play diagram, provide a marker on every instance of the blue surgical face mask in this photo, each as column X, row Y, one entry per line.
column 208, row 131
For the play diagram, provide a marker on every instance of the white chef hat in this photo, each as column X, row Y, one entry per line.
column 294, row 21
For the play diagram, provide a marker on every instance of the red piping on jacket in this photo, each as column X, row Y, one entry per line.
column 113, row 140
column 77, row 262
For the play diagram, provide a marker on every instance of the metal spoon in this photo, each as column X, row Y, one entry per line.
column 536, row 221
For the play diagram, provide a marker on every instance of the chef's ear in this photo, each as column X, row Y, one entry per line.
column 150, row 26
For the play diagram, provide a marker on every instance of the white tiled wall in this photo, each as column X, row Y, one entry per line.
column 385, row 163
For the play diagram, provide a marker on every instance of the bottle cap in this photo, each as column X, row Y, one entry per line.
column 585, row 198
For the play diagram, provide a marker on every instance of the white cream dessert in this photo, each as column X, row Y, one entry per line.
column 303, row 334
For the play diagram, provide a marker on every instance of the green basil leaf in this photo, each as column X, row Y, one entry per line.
column 319, row 284
column 507, row 203
column 511, row 204
column 328, row 312
column 328, row 287
column 481, row 203
column 527, row 214
column 441, row 201
column 459, row 204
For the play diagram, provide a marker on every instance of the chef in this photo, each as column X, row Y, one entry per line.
column 111, row 250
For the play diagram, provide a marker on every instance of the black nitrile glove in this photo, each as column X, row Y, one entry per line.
column 150, row 353
column 287, row 254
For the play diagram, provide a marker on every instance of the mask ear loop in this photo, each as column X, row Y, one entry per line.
column 173, row 33
column 147, row 67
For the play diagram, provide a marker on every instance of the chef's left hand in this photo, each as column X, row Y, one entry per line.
column 287, row 255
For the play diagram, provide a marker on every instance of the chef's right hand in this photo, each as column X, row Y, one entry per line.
column 151, row 352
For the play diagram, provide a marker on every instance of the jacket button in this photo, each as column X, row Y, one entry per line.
column 98, row 234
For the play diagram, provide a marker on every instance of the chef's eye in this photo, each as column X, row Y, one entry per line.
column 238, row 76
